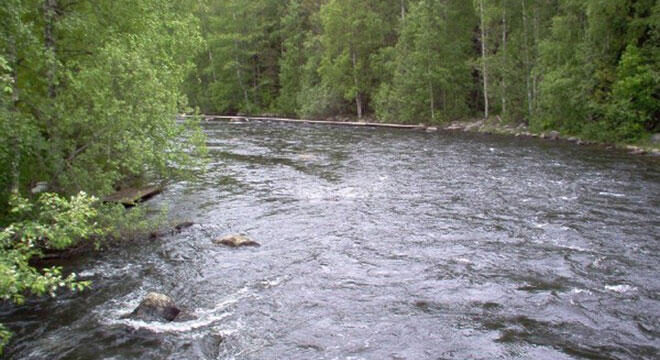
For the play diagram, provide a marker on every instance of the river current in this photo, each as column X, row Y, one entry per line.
column 380, row 244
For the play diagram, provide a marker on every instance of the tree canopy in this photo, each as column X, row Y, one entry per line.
column 585, row 68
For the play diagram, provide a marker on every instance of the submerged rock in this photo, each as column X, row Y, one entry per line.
column 474, row 126
column 183, row 225
column 655, row 138
column 175, row 230
column 554, row 135
column 235, row 241
column 156, row 307
column 454, row 127
column 635, row 150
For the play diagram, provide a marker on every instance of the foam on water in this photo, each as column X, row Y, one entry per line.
column 611, row 194
column 379, row 244
column 203, row 317
column 621, row 289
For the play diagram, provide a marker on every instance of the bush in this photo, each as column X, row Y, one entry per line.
column 319, row 102
column 52, row 222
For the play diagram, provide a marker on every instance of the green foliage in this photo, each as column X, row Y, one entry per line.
column 238, row 70
column 5, row 336
column 98, row 112
column 634, row 103
column 551, row 64
column 56, row 222
column 89, row 92
column 430, row 65
column 319, row 101
column 352, row 32
column 129, row 224
column 600, row 71
column 51, row 222
column 300, row 49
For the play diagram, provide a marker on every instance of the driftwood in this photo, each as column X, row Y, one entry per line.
column 303, row 121
column 131, row 196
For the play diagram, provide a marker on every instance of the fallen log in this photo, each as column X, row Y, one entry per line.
column 304, row 121
column 131, row 196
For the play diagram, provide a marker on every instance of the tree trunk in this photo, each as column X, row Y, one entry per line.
column 532, row 66
column 238, row 69
column 215, row 78
column 504, row 65
column 431, row 101
column 15, row 138
column 49, row 8
column 255, row 82
column 358, row 99
column 526, row 54
column 484, row 67
column 403, row 10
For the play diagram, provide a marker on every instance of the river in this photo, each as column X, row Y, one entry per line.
column 380, row 244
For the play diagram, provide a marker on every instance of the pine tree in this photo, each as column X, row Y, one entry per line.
column 430, row 66
column 352, row 32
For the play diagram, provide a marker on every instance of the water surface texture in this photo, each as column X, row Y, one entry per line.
column 381, row 244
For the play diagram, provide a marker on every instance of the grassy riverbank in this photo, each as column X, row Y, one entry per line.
column 645, row 146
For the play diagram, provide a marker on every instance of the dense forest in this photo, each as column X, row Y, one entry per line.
column 586, row 68
column 90, row 89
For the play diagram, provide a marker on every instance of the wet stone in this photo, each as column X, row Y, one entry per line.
column 175, row 230
column 552, row 135
column 655, row 138
column 184, row 225
column 155, row 307
column 235, row 241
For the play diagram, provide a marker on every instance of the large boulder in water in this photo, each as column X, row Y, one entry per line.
column 156, row 307
column 235, row 241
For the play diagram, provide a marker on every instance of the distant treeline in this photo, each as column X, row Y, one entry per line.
column 583, row 67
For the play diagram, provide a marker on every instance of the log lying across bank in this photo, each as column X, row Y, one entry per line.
column 302, row 121
column 131, row 196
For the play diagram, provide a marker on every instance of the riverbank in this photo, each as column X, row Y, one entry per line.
column 494, row 126
column 491, row 126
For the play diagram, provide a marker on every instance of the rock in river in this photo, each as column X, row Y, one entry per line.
column 655, row 138
column 235, row 241
column 158, row 307
column 554, row 135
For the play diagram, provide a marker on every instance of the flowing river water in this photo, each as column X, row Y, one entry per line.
column 380, row 244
